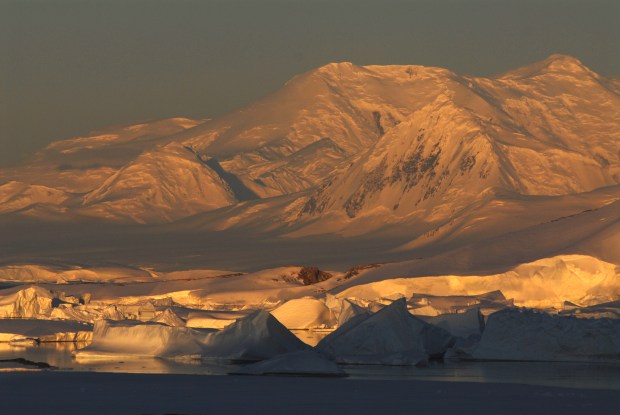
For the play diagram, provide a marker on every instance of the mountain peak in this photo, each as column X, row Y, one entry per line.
column 560, row 62
column 556, row 64
column 565, row 59
column 337, row 69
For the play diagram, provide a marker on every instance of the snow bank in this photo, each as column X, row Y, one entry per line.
column 137, row 339
column 303, row 363
column 304, row 313
column 256, row 337
column 528, row 335
column 391, row 336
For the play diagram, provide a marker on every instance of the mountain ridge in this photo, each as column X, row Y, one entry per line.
column 348, row 150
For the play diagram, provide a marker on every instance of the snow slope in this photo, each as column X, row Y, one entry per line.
column 55, row 178
column 159, row 186
column 544, row 283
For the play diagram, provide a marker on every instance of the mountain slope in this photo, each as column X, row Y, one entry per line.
column 159, row 186
column 548, row 129
column 421, row 160
column 80, row 164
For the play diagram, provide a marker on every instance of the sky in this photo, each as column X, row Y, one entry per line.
column 68, row 67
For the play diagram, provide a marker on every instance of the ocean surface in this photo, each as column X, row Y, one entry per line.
column 573, row 375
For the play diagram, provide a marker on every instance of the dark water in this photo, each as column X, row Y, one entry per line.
column 4, row 285
column 575, row 375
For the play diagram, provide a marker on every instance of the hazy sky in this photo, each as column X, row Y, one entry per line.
column 71, row 66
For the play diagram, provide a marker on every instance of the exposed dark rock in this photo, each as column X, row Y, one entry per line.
column 312, row 275
column 316, row 203
column 376, row 115
column 467, row 163
column 375, row 181
column 414, row 168
column 353, row 271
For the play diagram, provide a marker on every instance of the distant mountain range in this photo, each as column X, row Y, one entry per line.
column 434, row 160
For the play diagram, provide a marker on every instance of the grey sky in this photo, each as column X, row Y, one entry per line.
column 71, row 66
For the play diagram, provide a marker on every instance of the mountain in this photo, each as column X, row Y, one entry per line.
column 421, row 160
column 57, row 176
column 546, row 129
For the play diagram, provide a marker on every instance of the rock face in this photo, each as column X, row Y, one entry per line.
column 391, row 336
column 529, row 335
column 312, row 275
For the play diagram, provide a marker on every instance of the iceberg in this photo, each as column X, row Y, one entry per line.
column 169, row 318
column 514, row 334
column 391, row 336
column 258, row 336
column 464, row 325
column 30, row 330
column 131, row 338
column 304, row 313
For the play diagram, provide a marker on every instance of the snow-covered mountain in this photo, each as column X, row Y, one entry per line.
column 58, row 176
column 436, row 158
column 546, row 129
